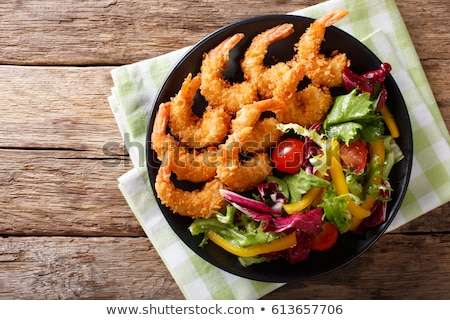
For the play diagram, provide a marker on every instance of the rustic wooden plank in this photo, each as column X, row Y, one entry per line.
column 102, row 32
column 427, row 25
column 436, row 220
column 83, row 268
column 55, row 193
column 129, row 268
column 435, row 71
column 64, row 32
column 57, row 108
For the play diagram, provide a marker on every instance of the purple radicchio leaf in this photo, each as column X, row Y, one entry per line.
column 253, row 207
column 299, row 252
column 272, row 196
column 309, row 222
column 371, row 82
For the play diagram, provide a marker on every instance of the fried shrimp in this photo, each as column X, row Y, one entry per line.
column 307, row 106
column 191, row 130
column 218, row 91
column 189, row 165
column 255, row 71
column 264, row 131
column 320, row 69
column 199, row 203
column 250, row 114
column 242, row 175
column 304, row 107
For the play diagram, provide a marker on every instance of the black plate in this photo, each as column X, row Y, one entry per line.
column 349, row 246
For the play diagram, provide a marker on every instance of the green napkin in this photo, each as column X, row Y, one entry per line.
column 379, row 25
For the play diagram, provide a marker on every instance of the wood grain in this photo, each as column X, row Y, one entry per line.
column 103, row 32
column 60, row 193
column 115, row 32
column 129, row 268
column 67, row 232
column 83, row 268
column 57, row 108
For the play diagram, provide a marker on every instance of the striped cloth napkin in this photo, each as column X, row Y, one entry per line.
column 379, row 25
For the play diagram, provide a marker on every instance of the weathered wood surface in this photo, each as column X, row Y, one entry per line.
column 67, row 231
column 129, row 268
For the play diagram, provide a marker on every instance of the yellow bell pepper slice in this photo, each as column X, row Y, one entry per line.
column 368, row 203
column 379, row 152
column 304, row 202
column 334, row 150
column 390, row 121
column 338, row 177
column 342, row 188
column 355, row 223
column 283, row 243
column 318, row 198
column 358, row 212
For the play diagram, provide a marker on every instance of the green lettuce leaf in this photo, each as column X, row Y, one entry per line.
column 346, row 131
column 352, row 116
column 349, row 107
column 335, row 209
column 300, row 183
column 393, row 154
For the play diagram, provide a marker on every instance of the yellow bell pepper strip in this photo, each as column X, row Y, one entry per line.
column 283, row 243
column 318, row 198
column 355, row 223
column 338, row 177
column 357, row 211
column 390, row 121
column 304, row 202
column 378, row 152
column 334, row 150
column 342, row 188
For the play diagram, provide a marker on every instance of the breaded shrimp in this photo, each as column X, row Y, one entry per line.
column 190, row 129
column 304, row 107
column 241, row 175
column 189, row 165
column 255, row 71
column 322, row 70
column 215, row 88
column 196, row 204
column 250, row 114
column 264, row 132
column 307, row 107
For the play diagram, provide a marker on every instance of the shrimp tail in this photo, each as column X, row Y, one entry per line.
column 333, row 17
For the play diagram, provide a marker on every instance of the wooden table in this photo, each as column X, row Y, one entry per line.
column 67, row 232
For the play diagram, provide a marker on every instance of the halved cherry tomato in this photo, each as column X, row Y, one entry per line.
column 287, row 155
column 354, row 156
column 326, row 238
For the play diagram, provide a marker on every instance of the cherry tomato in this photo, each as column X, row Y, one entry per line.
column 326, row 238
column 287, row 155
column 354, row 156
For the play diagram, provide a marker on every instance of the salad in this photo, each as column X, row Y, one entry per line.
column 329, row 179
